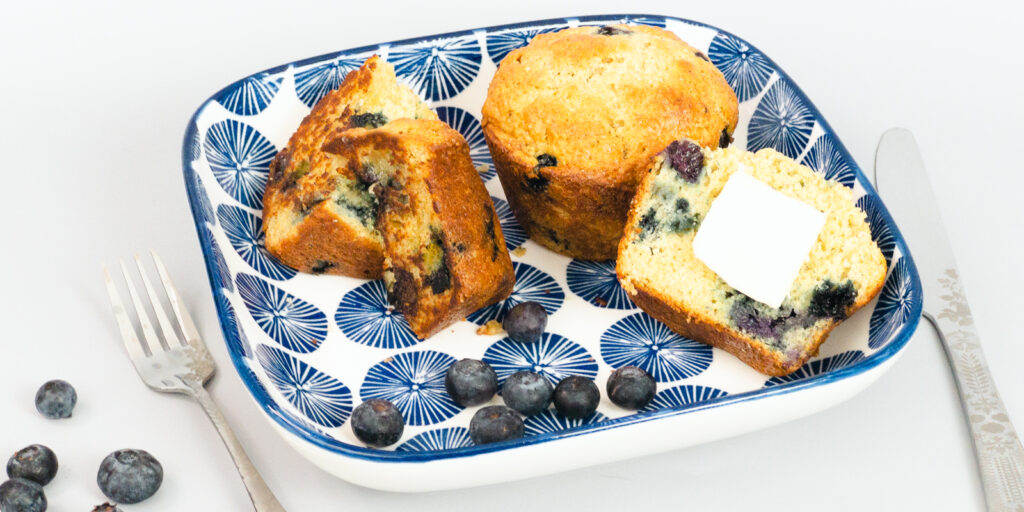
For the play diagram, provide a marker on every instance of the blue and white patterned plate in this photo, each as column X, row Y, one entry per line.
column 311, row 347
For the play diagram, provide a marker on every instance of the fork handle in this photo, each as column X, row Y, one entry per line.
column 998, row 449
column 263, row 499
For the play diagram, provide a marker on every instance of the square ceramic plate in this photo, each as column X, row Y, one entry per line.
column 311, row 347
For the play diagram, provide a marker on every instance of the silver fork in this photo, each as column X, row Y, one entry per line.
column 175, row 363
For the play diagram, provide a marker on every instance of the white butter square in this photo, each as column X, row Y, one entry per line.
column 757, row 238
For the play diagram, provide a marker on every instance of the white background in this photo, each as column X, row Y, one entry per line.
column 95, row 99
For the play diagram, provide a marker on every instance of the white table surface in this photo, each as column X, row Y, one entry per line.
column 94, row 104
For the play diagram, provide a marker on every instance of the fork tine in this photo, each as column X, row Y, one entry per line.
column 147, row 326
column 124, row 323
column 188, row 328
column 158, row 309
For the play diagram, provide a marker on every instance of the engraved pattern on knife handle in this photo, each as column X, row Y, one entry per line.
column 999, row 451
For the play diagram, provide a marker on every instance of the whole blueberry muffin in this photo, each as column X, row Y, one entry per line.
column 317, row 215
column 657, row 267
column 444, row 252
column 573, row 119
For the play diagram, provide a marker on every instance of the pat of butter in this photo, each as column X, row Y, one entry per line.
column 757, row 238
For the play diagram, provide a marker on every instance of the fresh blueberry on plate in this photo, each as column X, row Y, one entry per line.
column 21, row 495
column 471, row 382
column 377, row 422
column 35, row 462
column 527, row 392
column 130, row 476
column 525, row 322
column 630, row 387
column 576, row 397
column 495, row 423
column 56, row 399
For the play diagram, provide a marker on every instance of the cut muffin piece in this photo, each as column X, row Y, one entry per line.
column 444, row 253
column 317, row 215
column 657, row 267
column 573, row 119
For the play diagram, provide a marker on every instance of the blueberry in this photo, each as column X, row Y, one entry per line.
column 546, row 160
column 35, row 462
column 631, row 387
column 21, row 495
column 724, row 139
column 106, row 507
column 56, row 399
column 471, row 382
column 525, row 322
column 609, row 30
column 686, row 158
column 831, row 300
column 129, row 476
column 537, row 182
column 495, row 423
column 648, row 223
column 527, row 392
column 377, row 422
column 368, row 120
column 576, row 397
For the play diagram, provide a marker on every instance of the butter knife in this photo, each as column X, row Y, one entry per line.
column 903, row 183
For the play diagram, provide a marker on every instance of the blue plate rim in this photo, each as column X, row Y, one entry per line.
column 306, row 432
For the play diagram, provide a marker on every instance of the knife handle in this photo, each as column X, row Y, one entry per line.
column 996, row 445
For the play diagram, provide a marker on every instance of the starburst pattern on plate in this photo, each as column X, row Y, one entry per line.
column 550, row 421
column 501, row 43
column 414, row 382
column 895, row 303
column 321, row 398
column 782, row 121
column 245, row 233
column 250, row 95
column 239, row 157
column 314, row 82
column 685, row 394
column 642, row 341
column 746, row 70
column 532, row 284
column 365, row 317
column 553, row 356
column 514, row 234
column 818, row 367
column 437, row 440
column 880, row 231
column 440, row 68
column 597, row 283
column 468, row 125
column 825, row 157
column 294, row 323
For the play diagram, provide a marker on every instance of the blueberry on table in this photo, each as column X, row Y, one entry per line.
column 377, row 422
column 631, row 387
column 527, row 392
column 495, row 423
column 56, row 399
column 21, row 495
column 576, row 397
column 525, row 322
column 35, row 462
column 129, row 476
column 471, row 382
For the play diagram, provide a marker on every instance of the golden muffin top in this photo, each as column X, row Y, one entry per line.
column 605, row 99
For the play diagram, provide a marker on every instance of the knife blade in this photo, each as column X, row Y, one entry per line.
column 903, row 183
